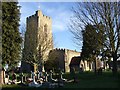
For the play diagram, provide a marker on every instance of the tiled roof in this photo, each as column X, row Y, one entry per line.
column 75, row 61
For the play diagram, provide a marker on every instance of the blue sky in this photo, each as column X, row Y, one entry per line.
column 60, row 13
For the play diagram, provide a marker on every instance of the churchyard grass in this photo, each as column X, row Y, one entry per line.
column 90, row 80
column 87, row 80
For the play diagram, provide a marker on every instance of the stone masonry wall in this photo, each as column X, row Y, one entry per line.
column 69, row 54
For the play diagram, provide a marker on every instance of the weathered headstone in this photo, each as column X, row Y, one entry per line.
column 41, row 74
column 51, row 78
column 21, row 77
column 60, row 81
column 61, row 76
column 31, row 74
column 38, row 74
column 2, row 76
column 45, row 79
column 34, row 83
column 14, row 77
column 7, row 79
column 25, row 78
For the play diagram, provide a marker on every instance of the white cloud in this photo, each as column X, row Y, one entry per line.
column 60, row 21
column 58, row 27
column 60, row 16
column 59, row 13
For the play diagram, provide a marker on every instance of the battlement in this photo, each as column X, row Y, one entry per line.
column 72, row 50
column 39, row 13
column 47, row 17
column 59, row 49
column 33, row 16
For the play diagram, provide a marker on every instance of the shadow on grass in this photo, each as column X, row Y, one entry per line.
column 90, row 80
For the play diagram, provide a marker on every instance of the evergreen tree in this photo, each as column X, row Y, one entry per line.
column 11, row 40
column 92, row 39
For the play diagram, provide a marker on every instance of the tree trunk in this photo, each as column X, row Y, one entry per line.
column 95, row 66
column 1, row 78
column 114, row 70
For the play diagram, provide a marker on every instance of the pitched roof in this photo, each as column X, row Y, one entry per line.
column 75, row 61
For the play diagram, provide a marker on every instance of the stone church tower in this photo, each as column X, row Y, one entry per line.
column 38, row 39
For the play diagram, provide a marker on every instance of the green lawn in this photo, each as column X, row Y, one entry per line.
column 90, row 80
column 87, row 80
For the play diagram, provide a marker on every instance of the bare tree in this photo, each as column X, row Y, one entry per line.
column 22, row 31
column 52, row 63
column 45, row 44
column 95, row 13
column 37, row 44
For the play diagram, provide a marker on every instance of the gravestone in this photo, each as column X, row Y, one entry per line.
column 51, row 78
column 7, row 79
column 41, row 74
column 38, row 74
column 25, row 78
column 60, row 81
column 31, row 74
column 40, row 78
column 2, row 76
column 34, row 83
column 45, row 79
column 21, row 77
column 61, row 76
column 14, row 78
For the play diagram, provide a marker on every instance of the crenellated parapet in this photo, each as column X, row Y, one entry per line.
column 31, row 17
column 71, row 50
column 46, row 17
column 39, row 14
column 59, row 49
column 63, row 49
